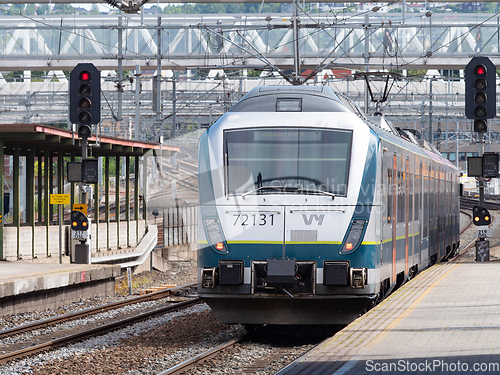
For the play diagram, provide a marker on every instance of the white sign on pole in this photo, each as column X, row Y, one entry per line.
column 483, row 231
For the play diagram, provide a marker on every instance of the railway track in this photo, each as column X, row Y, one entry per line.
column 195, row 361
column 490, row 203
column 457, row 255
column 469, row 223
column 53, row 339
column 276, row 347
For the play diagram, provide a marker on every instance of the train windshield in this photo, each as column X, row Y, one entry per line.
column 289, row 160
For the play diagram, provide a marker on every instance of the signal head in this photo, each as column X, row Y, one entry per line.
column 480, row 126
column 481, row 216
column 79, row 221
column 480, row 70
column 84, row 103
column 85, row 76
column 84, row 97
column 85, row 90
column 84, row 118
column 480, row 111
column 84, row 131
column 480, row 97
column 480, row 84
column 480, row 88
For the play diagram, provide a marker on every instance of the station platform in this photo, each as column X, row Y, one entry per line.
column 26, row 287
column 445, row 321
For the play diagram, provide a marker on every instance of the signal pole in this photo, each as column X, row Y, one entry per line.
column 84, row 156
column 84, row 111
column 480, row 105
column 431, row 136
column 480, row 137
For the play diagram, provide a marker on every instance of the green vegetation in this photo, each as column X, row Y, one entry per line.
column 254, row 73
column 121, row 285
column 39, row 9
column 416, row 73
column 43, row 9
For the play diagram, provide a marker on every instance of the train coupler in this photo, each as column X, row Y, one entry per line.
column 209, row 277
column 359, row 277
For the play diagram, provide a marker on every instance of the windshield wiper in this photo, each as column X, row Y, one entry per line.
column 317, row 191
column 289, row 188
column 263, row 188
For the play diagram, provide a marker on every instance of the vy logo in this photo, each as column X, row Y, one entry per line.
column 313, row 217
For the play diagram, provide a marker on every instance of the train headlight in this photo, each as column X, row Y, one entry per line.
column 214, row 234
column 289, row 105
column 354, row 236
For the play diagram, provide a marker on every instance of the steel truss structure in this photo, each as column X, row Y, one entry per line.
column 232, row 45
column 231, row 41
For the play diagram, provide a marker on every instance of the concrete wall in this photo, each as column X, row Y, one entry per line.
column 180, row 253
column 35, row 287
column 25, row 239
column 55, row 298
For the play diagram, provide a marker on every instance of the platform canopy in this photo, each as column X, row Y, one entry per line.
column 25, row 136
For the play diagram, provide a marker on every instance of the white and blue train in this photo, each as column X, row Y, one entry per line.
column 310, row 212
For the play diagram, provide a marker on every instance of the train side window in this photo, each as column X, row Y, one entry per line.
column 416, row 193
column 401, row 197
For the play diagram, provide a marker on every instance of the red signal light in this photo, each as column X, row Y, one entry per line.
column 480, row 70
column 85, row 76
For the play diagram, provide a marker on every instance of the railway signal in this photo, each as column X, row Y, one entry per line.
column 480, row 92
column 79, row 221
column 85, row 98
column 481, row 216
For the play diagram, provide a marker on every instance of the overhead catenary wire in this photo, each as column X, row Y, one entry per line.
column 404, row 63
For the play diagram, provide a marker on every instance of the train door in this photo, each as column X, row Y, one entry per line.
column 425, row 216
column 433, row 214
column 444, row 212
column 387, row 218
column 394, row 215
column 453, row 220
column 439, row 198
column 406, row 177
column 418, row 213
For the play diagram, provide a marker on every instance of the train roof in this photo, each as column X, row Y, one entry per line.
column 324, row 99
column 404, row 136
column 291, row 99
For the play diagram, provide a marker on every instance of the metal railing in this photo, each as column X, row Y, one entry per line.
column 180, row 225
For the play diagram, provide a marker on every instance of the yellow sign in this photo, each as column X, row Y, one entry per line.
column 59, row 198
column 81, row 208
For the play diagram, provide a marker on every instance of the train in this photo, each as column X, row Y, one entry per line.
column 311, row 212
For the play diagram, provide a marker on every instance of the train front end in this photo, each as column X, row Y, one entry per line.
column 287, row 219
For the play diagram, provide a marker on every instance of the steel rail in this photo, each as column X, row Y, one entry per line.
column 470, row 202
column 96, row 330
column 110, row 306
column 468, row 246
column 192, row 362
column 469, row 223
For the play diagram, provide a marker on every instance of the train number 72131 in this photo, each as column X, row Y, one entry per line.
column 253, row 219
